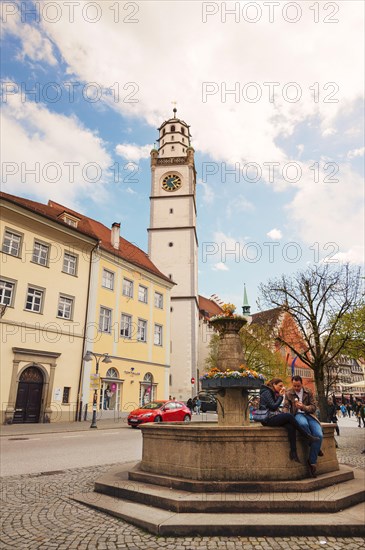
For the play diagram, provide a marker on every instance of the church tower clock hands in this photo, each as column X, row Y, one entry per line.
column 173, row 245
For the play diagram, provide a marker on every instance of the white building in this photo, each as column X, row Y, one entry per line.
column 173, row 245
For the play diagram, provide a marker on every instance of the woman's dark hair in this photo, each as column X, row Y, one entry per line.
column 273, row 381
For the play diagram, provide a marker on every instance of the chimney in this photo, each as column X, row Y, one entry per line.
column 114, row 235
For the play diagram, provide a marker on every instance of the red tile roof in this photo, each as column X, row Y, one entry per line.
column 208, row 308
column 92, row 228
column 269, row 318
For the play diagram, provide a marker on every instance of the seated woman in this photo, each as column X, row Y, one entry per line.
column 271, row 397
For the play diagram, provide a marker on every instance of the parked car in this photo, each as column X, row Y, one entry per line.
column 208, row 402
column 159, row 411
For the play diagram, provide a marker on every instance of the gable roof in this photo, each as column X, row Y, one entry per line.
column 208, row 308
column 268, row 318
column 92, row 228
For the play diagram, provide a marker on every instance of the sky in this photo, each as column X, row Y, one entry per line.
column 272, row 91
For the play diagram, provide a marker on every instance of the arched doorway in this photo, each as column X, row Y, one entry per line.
column 29, row 396
column 147, row 390
column 110, row 393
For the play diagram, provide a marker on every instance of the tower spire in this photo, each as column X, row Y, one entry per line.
column 246, row 309
column 174, row 110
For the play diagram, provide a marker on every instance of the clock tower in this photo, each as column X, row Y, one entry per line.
column 173, row 245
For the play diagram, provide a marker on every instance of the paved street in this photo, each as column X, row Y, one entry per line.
column 38, row 512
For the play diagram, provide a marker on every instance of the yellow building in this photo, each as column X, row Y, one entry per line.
column 45, row 269
column 71, row 285
column 128, row 320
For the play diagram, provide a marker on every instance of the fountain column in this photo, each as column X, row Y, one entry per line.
column 232, row 394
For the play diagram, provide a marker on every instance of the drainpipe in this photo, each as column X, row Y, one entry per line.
column 79, row 403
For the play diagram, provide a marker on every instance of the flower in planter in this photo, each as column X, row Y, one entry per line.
column 241, row 372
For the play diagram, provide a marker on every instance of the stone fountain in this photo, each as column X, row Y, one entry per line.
column 229, row 477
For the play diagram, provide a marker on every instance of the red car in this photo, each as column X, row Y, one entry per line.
column 160, row 411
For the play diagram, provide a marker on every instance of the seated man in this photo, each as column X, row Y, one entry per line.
column 299, row 401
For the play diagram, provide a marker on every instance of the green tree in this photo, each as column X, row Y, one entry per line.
column 351, row 329
column 319, row 299
column 260, row 352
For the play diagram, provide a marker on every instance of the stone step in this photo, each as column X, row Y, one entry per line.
column 347, row 523
column 294, row 486
column 328, row 499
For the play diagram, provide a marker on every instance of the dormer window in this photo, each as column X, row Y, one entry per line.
column 69, row 219
column 172, row 129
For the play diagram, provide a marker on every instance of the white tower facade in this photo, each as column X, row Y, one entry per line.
column 173, row 245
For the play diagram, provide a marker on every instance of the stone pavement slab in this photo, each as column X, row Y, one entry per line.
column 39, row 514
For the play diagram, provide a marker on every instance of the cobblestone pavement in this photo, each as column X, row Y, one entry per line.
column 37, row 514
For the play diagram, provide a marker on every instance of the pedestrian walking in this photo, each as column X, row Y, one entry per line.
column 190, row 405
column 360, row 413
column 198, row 404
column 331, row 414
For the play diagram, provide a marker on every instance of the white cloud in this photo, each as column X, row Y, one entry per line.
column 356, row 153
column 330, row 214
column 329, row 132
column 228, row 130
column 220, row 266
column 130, row 191
column 208, row 193
column 239, row 204
column 35, row 45
column 275, row 234
column 133, row 152
column 37, row 139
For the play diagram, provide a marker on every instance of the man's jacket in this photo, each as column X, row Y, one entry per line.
column 308, row 401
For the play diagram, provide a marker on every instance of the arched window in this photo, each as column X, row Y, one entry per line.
column 148, row 377
column 112, row 373
column 163, row 132
column 182, row 130
column 172, row 129
column 31, row 374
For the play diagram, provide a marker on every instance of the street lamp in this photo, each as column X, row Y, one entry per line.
column 106, row 359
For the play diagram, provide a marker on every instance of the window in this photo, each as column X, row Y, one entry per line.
column 182, row 130
column 142, row 294
column 65, row 307
column 126, row 326
column 34, row 300
column 6, row 292
column 127, row 288
column 69, row 264
column 171, row 210
column 172, row 148
column 71, row 222
column 183, row 140
column 66, row 395
column 171, row 244
column 142, row 330
column 157, row 337
column 105, row 320
column 108, row 279
column 12, row 243
column 172, row 129
column 40, row 253
column 172, row 138
column 158, row 300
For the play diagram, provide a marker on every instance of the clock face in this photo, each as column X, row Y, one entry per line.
column 171, row 182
